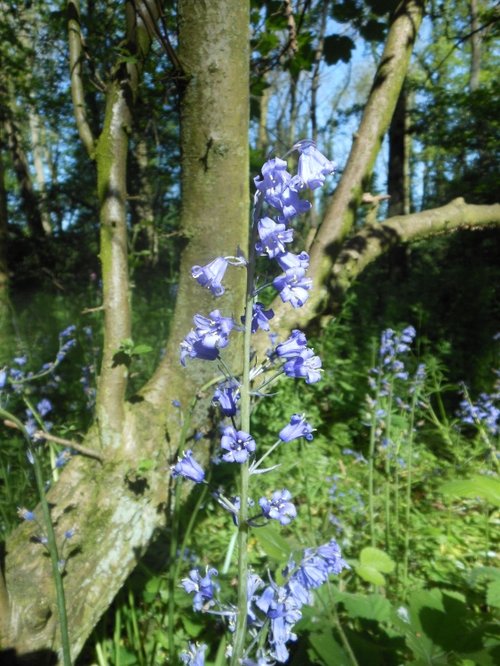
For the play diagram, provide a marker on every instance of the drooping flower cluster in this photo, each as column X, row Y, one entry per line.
column 392, row 347
column 276, row 606
column 203, row 587
column 485, row 411
column 282, row 605
column 278, row 200
column 209, row 335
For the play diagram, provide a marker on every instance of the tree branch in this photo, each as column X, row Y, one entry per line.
column 111, row 158
column 341, row 213
column 373, row 241
column 75, row 70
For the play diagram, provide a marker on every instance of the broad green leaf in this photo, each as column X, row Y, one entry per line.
column 327, row 649
column 376, row 559
column 370, row 574
column 274, row 545
column 493, row 594
column 125, row 657
column 368, row 606
column 437, row 625
column 485, row 487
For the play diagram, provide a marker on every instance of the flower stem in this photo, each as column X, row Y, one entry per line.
column 388, row 453
column 409, row 481
column 51, row 542
column 54, row 559
column 245, row 407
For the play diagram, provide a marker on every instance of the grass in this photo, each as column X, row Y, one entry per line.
column 369, row 481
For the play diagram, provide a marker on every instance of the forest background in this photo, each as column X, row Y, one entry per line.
column 129, row 136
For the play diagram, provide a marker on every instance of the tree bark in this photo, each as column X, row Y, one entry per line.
column 29, row 200
column 114, row 508
column 397, row 179
column 38, row 164
column 145, row 233
column 475, row 45
column 214, row 114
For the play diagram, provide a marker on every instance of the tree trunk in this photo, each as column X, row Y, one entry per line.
column 29, row 200
column 475, row 45
column 115, row 509
column 397, row 180
column 145, row 233
column 6, row 330
column 215, row 180
column 37, row 144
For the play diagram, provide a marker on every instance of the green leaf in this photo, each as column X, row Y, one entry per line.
column 368, row 606
column 484, row 487
column 326, row 648
column 141, row 349
column 437, row 625
column 370, row 574
column 377, row 559
column 337, row 47
column 125, row 657
column 145, row 465
column 493, row 594
column 273, row 544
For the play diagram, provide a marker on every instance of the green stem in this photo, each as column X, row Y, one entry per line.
column 174, row 570
column 343, row 638
column 259, row 462
column 241, row 624
column 51, row 540
column 387, row 493
column 371, row 463
column 409, row 464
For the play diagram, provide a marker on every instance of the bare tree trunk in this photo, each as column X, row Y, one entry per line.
column 263, row 137
column 145, row 233
column 29, row 200
column 475, row 45
column 215, row 178
column 397, row 180
column 114, row 508
column 37, row 144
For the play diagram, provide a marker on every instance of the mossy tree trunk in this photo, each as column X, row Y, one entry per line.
column 114, row 508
